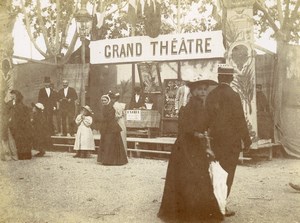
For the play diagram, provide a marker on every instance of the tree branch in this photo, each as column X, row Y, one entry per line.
column 286, row 14
column 280, row 13
column 27, row 26
column 57, row 42
column 267, row 16
column 64, row 33
column 43, row 27
column 294, row 12
column 70, row 48
column 291, row 20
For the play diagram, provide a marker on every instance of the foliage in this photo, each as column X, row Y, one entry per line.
column 283, row 16
column 244, row 84
column 117, row 24
column 52, row 21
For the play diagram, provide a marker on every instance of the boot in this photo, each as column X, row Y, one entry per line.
column 77, row 155
column 84, row 154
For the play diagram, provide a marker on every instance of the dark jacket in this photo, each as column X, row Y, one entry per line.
column 66, row 105
column 48, row 102
column 192, row 118
column 41, row 131
column 227, row 122
column 19, row 124
column 109, row 123
column 135, row 105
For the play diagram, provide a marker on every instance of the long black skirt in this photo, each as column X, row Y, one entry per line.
column 23, row 146
column 188, row 194
column 112, row 151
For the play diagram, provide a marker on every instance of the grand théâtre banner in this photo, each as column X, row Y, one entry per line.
column 183, row 46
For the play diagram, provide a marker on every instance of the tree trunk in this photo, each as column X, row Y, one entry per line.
column 7, row 22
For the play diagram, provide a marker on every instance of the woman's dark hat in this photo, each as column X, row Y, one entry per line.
column 111, row 94
column 18, row 94
column 225, row 69
column 86, row 107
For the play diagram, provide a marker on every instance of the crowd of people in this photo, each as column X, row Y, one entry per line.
column 24, row 128
column 188, row 193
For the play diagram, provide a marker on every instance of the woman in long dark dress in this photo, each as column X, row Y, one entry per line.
column 41, row 130
column 188, row 194
column 111, row 151
column 20, row 126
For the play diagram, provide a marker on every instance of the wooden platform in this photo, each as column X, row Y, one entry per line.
column 159, row 141
column 141, row 145
column 68, row 141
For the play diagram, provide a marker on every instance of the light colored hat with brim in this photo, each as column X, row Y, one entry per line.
column 225, row 69
column 192, row 77
column 39, row 106
column 86, row 107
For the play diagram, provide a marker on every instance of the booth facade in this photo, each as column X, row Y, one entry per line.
column 159, row 64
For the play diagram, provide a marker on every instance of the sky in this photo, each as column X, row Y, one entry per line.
column 24, row 48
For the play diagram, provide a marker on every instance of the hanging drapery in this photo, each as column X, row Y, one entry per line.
column 286, row 99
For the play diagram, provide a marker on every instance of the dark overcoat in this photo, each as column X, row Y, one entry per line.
column 65, row 104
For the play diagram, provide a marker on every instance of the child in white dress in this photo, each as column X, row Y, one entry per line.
column 84, row 140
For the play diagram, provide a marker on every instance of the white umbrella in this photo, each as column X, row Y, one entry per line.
column 218, row 178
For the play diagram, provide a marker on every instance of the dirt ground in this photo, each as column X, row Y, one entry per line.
column 58, row 188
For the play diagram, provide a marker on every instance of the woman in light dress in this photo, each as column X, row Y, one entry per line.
column 84, row 140
column 120, row 116
column 8, row 150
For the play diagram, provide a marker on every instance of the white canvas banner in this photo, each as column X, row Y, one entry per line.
column 185, row 46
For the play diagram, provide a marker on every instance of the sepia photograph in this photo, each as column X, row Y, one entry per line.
column 150, row 111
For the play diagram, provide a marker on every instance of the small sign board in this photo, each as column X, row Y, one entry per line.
column 133, row 115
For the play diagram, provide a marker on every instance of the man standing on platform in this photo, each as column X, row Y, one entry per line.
column 138, row 99
column 48, row 98
column 227, row 124
column 67, row 99
column 182, row 96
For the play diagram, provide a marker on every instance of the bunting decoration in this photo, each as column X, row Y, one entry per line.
column 98, row 21
column 132, row 12
column 152, row 17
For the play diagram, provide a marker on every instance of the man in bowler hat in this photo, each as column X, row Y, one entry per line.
column 227, row 124
column 67, row 97
column 48, row 98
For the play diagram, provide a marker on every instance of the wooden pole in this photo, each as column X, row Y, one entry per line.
column 133, row 64
column 178, row 31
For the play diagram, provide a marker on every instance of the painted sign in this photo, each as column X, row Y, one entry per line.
column 184, row 46
column 133, row 115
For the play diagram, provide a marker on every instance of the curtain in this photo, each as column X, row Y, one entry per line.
column 286, row 98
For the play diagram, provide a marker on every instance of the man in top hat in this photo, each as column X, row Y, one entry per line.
column 48, row 98
column 227, row 124
column 67, row 97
